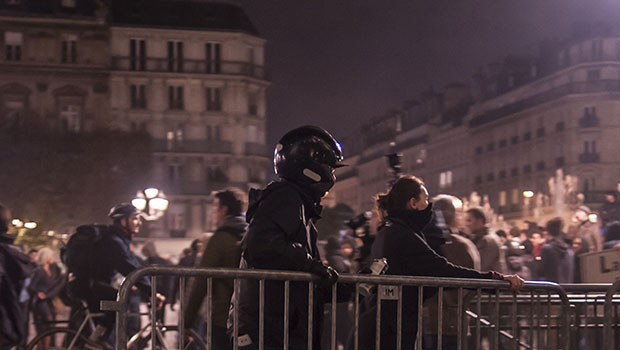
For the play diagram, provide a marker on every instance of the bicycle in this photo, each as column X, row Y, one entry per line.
column 66, row 338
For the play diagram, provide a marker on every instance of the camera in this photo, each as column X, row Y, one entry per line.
column 359, row 224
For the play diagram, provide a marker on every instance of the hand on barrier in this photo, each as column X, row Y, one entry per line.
column 161, row 300
column 328, row 275
column 516, row 282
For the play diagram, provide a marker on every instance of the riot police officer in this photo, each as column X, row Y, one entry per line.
column 282, row 236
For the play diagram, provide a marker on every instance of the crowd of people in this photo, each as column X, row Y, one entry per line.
column 417, row 234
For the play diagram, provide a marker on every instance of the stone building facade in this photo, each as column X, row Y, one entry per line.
column 506, row 132
column 189, row 73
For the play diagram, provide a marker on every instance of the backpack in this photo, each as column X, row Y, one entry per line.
column 78, row 255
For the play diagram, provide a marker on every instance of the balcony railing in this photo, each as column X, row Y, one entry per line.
column 257, row 149
column 589, row 158
column 192, row 146
column 546, row 96
column 590, row 121
column 188, row 66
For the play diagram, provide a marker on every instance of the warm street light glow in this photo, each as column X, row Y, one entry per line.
column 528, row 194
column 139, row 203
column 458, row 204
column 51, row 233
column 30, row 225
column 17, row 223
column 159, row 203
column 593, row 217
column 151, row 192
column 152, row 202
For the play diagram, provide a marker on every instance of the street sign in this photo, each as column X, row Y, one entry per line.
column 600, row 267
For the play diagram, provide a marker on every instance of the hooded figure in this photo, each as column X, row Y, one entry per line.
column 556, row 257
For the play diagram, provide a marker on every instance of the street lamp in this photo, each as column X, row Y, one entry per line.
column 152, row 202
column 528, row 194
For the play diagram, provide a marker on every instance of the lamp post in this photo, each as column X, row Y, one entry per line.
column 152, row 202
column 527, row 196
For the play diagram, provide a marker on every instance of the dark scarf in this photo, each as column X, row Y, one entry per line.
column 414, row 219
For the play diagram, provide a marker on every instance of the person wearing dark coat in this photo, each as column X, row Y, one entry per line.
column 556, row 256
column 15, row 267
column 281, row 236
column 113, row 256
column 402, row 243
column 46, row 284
column 222, row 250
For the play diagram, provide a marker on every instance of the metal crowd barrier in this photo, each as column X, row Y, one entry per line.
column 611, row 332
column 538, row 318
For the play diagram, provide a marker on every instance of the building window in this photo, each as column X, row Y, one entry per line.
column 175, row 56
column 490, row 177
column 527, row 169
column 445, row 179
column 479, row 150
column 502, row 198
column 502, row 143
column 213, row 133
column 175, row 173
column 527, row 136
column 70, row 118
column 540, row 165
column 138, row 96
column 214, row 99
column 540, row 132
column 559, row 126
column 478, row 179
column 13, row 42
column 490, row 146
column 69, row 48
column 213, row 53
column 175, row 97
column 594, row 74
column 502, row 174
column 559, row 162
column 252, row 103
column 514, row 140
column 515, row 196
column 514, row 171
column 137, row 54
column 589, row 147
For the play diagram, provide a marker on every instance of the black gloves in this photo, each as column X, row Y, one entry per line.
column 328, row 275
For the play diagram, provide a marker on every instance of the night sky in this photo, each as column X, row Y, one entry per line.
column 337, row 63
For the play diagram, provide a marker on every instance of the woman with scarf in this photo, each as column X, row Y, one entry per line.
column 402, row 243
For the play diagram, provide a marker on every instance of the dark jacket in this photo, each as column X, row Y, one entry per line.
column 15, row 267
column 113, row 255
column 51, row 285
column 222, row 250
column 556, row 262
column 408, row 254
column 280, row 236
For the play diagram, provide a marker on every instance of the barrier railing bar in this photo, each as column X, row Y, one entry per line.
column 334, row 304
column 286, row 306
column 182, row 312
column 504, row 334
column 261, row 315
column 356, row 317
column 459, row 324
column 236, row 315
column 378, row 321
column 439, row 318
column 479, row 312
column 209, row 313
column 310, row 313
column 418, row 338
column 153, row 312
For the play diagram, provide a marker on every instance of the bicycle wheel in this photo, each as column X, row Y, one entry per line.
column 170, row 335
column 60, row 339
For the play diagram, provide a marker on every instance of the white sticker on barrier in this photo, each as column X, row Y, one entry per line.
column 388, row 292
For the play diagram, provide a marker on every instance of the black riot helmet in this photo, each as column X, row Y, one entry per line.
column 308, row 155
column 122, row 210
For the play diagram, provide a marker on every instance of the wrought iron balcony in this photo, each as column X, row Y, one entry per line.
column 192, row 146
column 187, row 66
column 589, row 158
